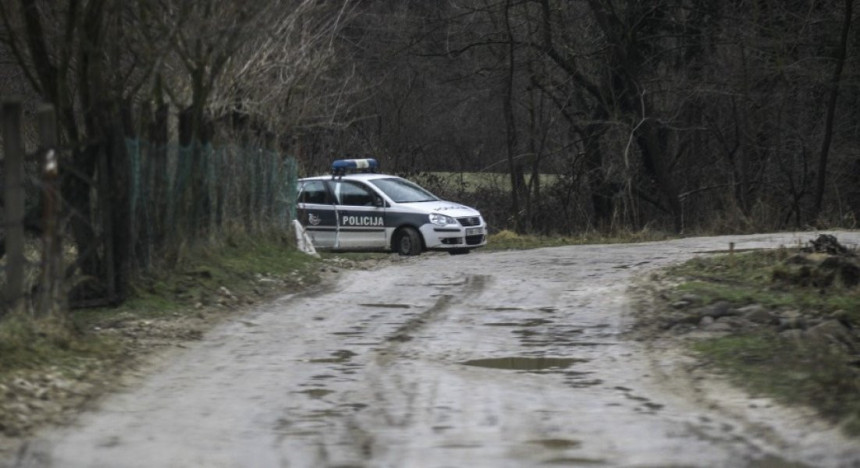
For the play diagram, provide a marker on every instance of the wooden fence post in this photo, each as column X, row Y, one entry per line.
column 13, row 205
column 52, row 296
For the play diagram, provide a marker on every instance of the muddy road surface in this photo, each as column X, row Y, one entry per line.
column 509, row 359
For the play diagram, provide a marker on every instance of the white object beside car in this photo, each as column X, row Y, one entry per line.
column 357, row 209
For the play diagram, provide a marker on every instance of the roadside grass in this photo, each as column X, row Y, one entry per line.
column 243, row 269
column 510, row 240
column 238, row 266
column 817, row 373
column 751, row 277
column 25, row 346
column 792, row 372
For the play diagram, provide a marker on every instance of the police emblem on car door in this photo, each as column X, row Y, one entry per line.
column 360, row 216
column 316, row 213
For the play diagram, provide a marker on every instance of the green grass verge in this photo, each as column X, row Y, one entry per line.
column 237, row 264
column 247, row 267
column 26, row 345
column 509, row 240
column 795, row 371
column 749, row 277
column 791, row 372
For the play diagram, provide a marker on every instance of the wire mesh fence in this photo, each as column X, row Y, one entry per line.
column 179, row 193
column 175, row 195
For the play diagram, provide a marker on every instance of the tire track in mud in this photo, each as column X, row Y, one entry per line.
column 472, row 286
column 507, row 359
column 359, row 430
column 343, row 427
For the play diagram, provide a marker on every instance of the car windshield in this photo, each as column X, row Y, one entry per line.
column 402, row 191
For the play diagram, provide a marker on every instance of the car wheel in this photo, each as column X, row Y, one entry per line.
column 407, row 241
column 459, row 251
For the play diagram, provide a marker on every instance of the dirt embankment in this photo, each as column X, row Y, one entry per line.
column 802, row 353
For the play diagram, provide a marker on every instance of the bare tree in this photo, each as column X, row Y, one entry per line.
column 840, row 55
column 285, row 78
column 68, row 52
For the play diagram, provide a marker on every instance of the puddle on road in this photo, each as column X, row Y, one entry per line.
column 524, row 363
column 546, row 309
column 649, row 406
column 557, row 444
column 443, row 284
column 322, row 415
column 584, row 383
column 386, row 306
column 581, row 379
column 624, row 267
column 354, row 406
column 400, row 338
column 574, row 461
column 338, row 357
column 570, row 344
column 461, row 445
column 570, row 337
column 525, row 323
column 773, row 461
column 316, row 393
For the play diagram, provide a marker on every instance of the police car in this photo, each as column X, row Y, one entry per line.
column 356, row 208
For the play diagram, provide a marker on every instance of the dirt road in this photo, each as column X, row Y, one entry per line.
column 504, row 359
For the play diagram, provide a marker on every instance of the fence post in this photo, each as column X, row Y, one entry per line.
column 13, row 205
column 51, row 300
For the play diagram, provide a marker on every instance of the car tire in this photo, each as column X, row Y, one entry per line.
column 407, row 241
column 459, row 251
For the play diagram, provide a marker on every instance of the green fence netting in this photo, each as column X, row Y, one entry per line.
column 182, row 193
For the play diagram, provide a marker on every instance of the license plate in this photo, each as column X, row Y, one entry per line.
column 474, row 231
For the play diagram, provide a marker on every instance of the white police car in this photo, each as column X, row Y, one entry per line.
column 357, row 209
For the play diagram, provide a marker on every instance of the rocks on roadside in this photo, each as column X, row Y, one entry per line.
column 832, row 332
column 723, row 318
column 823, row 264
column 31, row 399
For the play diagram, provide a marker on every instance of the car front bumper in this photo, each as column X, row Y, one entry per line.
column 454, row 237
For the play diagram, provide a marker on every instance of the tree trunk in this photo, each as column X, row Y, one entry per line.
column 510, row 126
column 831, row 109
column 653, row 148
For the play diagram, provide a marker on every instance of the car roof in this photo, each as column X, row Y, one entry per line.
column 356, row 176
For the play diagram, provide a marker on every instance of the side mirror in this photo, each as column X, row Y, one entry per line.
column 378, row 201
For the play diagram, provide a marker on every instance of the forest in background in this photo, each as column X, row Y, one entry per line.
column 682, row 116
column 603, row 116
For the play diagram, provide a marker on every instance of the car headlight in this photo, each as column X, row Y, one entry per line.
column 441, row 220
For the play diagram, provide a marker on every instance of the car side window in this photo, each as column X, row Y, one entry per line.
column 314, row 191
column 351, row 193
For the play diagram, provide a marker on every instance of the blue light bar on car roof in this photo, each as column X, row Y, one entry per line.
column 342, row 166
